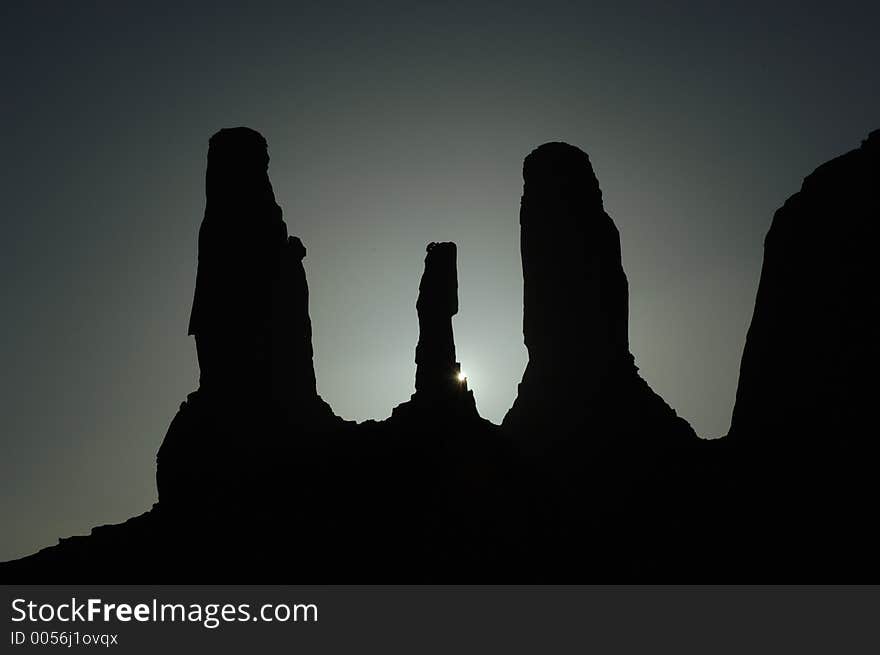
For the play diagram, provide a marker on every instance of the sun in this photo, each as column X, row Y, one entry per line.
column 461, row 376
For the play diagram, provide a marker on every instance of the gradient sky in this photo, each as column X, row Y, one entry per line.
column 389, row 126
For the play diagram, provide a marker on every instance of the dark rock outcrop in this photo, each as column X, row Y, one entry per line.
column 440, row 388
column 580, row 376
column 801, row 455
column 241, row 239
column 436, row 368
column 452, row 463
column 811, row 359
column 604, row 453
column 250, row 313
column 250, row 317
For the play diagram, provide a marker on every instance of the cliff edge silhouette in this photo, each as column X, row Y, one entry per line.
column 801, row 455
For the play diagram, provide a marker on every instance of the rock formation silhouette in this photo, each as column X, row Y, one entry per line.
column 250, row 320
column 575, row 312
column 810, row 359
column 250, row 315
column 592, row 477
column 436, row 368
column 803, row 425
column 588, row 425
column 440, row 389
column 451, row 460
column 240, row 243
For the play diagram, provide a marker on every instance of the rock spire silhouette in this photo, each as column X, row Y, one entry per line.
column 439, row 388
column 580, row 376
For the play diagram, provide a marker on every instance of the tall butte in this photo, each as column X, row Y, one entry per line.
column 581, row 380
column 250, row 313
column 242, row 239
column 250, row 320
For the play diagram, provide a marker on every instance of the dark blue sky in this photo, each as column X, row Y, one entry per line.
column 389, row 126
